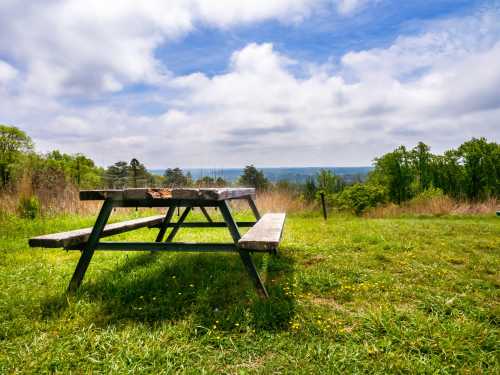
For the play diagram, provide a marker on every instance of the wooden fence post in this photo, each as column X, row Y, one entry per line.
column 323, row 204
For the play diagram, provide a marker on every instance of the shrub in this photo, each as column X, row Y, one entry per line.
column 427, row 195
column 29, row 207
column 359, row 197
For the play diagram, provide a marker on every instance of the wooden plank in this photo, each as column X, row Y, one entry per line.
column 213, row 194
column 100, row 195
column 166, row 203
column 165, row 246
column 213, row 224
column 216, row 194
column 75, row 237
column 265, row 235
column 132, row 194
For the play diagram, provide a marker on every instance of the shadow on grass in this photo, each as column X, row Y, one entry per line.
column 206, row 289
column 53, row 306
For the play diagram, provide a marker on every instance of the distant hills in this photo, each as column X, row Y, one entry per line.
column 295, row 174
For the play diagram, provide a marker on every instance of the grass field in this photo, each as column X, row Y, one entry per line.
column 416, row 295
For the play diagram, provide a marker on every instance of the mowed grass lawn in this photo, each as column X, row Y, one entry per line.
column 347, row 295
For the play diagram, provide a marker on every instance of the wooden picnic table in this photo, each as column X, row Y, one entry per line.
column 264, row 235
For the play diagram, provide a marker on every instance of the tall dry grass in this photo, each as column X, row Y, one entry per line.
column 281, row 201
column 276, row 201
column 55, row 196
column 435, row 207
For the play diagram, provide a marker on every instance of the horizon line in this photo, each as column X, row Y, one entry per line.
column 266, row 167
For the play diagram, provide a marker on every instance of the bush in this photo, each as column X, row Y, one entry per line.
column 427, row 195
column 359, row 197
column 29, row 207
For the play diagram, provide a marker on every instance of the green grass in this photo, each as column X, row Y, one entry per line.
column 349, row 295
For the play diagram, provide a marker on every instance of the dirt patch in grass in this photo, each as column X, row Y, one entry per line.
column 314, row 260
column 327, row 301
column 253, row 363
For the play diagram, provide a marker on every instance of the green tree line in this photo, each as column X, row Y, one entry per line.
column 470, row 172
column 18, row 159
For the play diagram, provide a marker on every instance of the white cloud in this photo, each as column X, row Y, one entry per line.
column 349, row 6
column 7, row 72
column 87, row 46
column 440, row 86
column 229, row 12
column 93, row 46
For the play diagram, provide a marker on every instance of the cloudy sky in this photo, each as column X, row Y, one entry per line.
column 225, row 83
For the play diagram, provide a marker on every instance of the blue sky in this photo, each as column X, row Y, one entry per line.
column 316, row 39
column 205, row 83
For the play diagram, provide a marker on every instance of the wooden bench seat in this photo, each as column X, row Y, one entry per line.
column 79, row 236
column 265, row 235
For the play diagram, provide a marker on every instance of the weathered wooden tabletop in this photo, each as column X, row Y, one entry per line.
column 209, row 194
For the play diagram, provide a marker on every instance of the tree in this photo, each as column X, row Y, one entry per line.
column 77, row 168
column 481, row 164
column 421, row 159
column 175, row 178
column 84, row 172
column 13, row 143
column 207, row 181
column 472, row 171
column 329, row 182
column 394, row 171
column 310, row 189
column 252, row 177
column 447, row 173
column 138, row 175
column 116, row 175
column 220, row 182
column 134, row 170
column 189, row 179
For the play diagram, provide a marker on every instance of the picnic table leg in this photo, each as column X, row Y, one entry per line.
column 253, row 207
column 164, row 224
column 90, row 246
column 244, row 255
column 178, row 224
